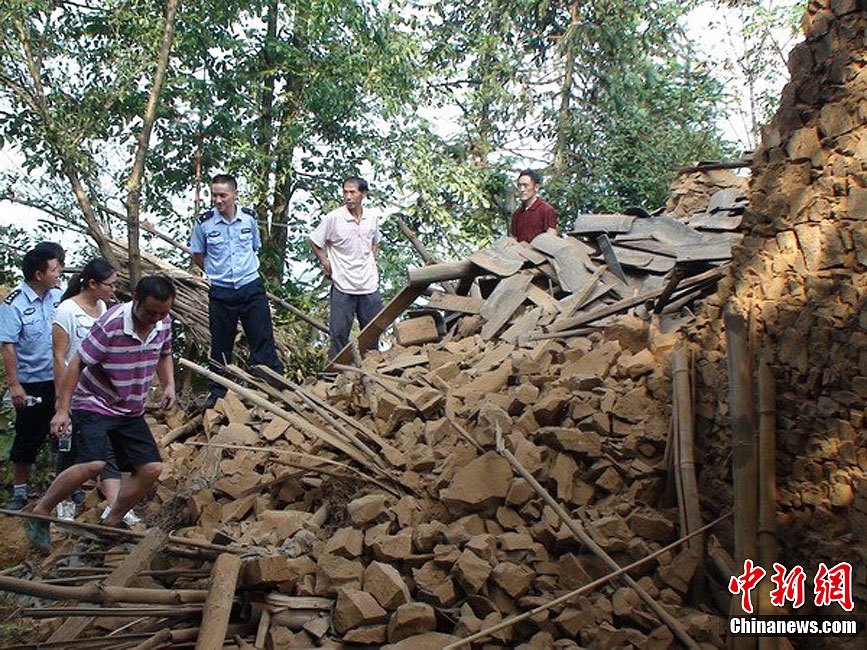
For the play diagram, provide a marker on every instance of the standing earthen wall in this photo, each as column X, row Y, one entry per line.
column 800, row 277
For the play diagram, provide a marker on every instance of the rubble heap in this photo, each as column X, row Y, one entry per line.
column 799, row 277
column 377, row 507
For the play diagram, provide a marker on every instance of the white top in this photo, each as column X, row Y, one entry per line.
column 75, row 322
column 349, row 245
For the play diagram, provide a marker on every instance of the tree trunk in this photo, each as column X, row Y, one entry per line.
column 133, row 197
column 564, row 117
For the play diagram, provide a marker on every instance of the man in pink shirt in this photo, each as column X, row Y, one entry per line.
column 106, row 385
column 345, row 242
column 534, row 216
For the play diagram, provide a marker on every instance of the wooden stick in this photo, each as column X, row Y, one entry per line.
column 767, row 531
column 433, row 273
column 215, row 617
column 582, row 535
column 95, row 593
column 683, row 416
column 79, row 615
column 292, row 309
column 179, row 432
column 590, row 586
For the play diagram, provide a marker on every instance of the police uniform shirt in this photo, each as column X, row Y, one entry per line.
column 229, row 247
column 25, row 321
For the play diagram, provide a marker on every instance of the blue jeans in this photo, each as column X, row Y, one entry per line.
column 343, row 310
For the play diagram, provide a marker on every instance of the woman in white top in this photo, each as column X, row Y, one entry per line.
column 84, row 301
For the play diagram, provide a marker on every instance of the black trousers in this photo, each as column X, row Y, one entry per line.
column 249, row 304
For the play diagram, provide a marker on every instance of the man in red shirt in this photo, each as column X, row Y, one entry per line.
column 534, row 216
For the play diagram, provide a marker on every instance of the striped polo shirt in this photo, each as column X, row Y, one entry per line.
column 117, row 366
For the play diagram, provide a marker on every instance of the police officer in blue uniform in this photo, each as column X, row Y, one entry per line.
column 224, row 244
column 25, row 334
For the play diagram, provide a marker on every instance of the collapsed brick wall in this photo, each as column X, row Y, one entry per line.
column 800, row 277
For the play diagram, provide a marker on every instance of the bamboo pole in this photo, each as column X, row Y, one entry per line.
column 110, row 531
column 767, row 528
column 767, row 531
column 590, row 586
column 96, row 593
column 744, row 465
column 311, row 398
column 301, row 412
column 312, row 431
column 687, row 485
column 582, row 536
column 218, row 607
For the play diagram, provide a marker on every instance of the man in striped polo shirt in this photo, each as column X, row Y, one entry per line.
column 106, row 385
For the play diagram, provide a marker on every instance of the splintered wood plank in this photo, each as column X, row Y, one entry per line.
column 137, row 561
column 451, row 302
column 596, row 223
column 501, row 258
column 395, row 307
column 502, row 303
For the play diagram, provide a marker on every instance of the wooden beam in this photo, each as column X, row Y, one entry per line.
column 395, row 307
column 218, row 607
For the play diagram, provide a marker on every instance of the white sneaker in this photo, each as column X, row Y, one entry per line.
column 130, row 518
column 66, row 510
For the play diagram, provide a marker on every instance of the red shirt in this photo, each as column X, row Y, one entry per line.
column 532, row 221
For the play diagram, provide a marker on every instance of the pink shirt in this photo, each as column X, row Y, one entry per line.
column 349, row 245
column 117, row 366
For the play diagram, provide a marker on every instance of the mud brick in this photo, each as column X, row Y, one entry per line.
column 514, row 579
column 384, row 583
column 367, row 635
column 415, row 331
column 411, row 619
column 368, row 508
column 471, row 571
column 435, row 582
column 480, row 484
column 355, row 608
column 346, row 542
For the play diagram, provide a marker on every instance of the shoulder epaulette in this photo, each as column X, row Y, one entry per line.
column 205, row 215
column 12, row 295
column 249, row 211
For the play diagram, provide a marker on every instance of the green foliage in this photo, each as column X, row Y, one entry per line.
column 437, row 103
column 15, row 243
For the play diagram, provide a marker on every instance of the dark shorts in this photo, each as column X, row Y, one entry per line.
column 129, row 437
column 32, row 423
column 67, row 459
